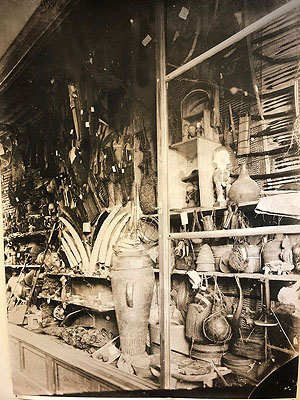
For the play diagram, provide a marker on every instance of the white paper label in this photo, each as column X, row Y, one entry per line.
column 87, row 124
column 184, row 13
column 86, row 226
column 112, row 350
column 81, row 112
column 184, row 218
column 113, row 168
column 92, row 109
column 176, row 36
column 147, row 40
column 244, row 253
column 72, row 154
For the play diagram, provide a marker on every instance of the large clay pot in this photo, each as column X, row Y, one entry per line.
column 132, row 280
column 221, row 252
column 244, row 189
column 272, row 249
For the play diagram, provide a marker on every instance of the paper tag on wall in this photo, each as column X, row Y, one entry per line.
column 184, row 13
column 86, row 227
column 184, row 218
column 112, row 350
column 176, row 36
column 147, row 40
column 194, row 278
column 244, row 253
column 72, row 154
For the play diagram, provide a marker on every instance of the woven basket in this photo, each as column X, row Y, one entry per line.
column 253, row 348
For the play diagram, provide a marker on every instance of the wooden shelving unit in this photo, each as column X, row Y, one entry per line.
column 22, row 265
column 190, row 210
column 264, row 230
column 75, row 303
column 167, row 154
column 70, row 275
column 25, row 235
column 256, row 276
column 61, row 367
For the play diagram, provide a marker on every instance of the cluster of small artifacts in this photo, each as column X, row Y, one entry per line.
column 274, row 254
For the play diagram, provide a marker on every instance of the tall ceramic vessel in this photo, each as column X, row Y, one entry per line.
column 244, row 189
column 132, row 279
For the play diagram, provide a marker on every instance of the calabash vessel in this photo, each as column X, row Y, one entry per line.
column 244, row 189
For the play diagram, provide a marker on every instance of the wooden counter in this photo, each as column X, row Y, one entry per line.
column 41, row 364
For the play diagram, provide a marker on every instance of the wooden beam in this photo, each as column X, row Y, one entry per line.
column 234, row 39
column 263, row 230
column 163, row 206
column 5, row 361
column 286, row 351
column 31, row 40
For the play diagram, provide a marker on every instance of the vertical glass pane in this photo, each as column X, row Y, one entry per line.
column 237, row 107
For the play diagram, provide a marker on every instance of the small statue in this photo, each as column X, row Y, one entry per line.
column 221, row 176
column 192, row 189
column 192, row 194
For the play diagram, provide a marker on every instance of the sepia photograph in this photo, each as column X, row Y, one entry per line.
column 150, row 199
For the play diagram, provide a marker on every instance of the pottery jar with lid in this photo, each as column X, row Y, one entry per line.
column 244, row 189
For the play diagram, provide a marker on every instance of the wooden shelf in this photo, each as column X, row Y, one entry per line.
column 277, row 174
column 188, row 147
column 257, row 276
column 18, row 235
column 189, row 210
column 22, row 265
column 263, row 230
column 76, row 275
column 93, row 308
column 243, row 275
column 274, row 151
